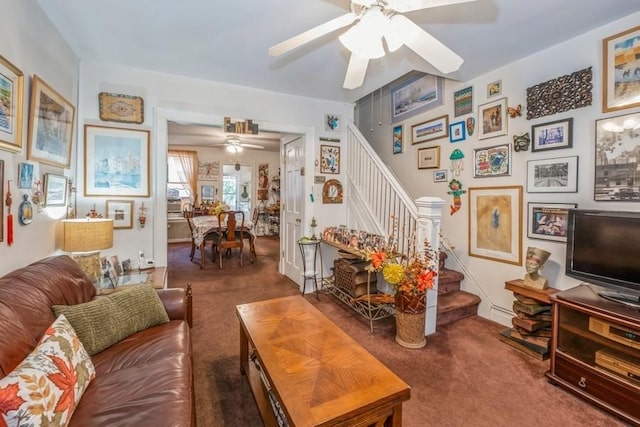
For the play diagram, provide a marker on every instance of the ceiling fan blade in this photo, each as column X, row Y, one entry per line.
column 355, row 71
column 425, row 45
column 312, row 34
column 367, row 3
column 259, row 147
column 410, row 5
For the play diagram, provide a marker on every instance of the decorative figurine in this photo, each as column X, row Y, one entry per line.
column 536, row 258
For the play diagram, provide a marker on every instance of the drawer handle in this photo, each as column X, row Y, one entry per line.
column 583, row 382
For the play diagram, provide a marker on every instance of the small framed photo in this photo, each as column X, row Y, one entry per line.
column 430, row 130
column 621, row 76
column 115, row 263
column 493, row 119
column 552, row 135
column 126, row 266
column 12, row 91
column 398, row 141
column 429, row 158
column 457, row 132
column 492, row 161
column 329, row 159
column 548, row 221
column 55, row 190
column 494, row 89
column 25, row 175
column 207, row 192
column 121, row 211
column 440, row 175
column 559, row 175
column 51, row 126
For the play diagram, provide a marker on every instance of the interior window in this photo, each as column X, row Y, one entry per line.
column 177, row 181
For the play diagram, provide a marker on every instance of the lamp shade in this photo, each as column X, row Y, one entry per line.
column 85, row 235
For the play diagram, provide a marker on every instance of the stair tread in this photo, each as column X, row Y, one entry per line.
column 445, row 276
column 456, row 299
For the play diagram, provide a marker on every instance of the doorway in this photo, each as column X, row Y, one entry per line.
column 237, row 185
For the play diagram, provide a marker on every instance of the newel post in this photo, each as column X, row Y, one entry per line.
column 428, row 228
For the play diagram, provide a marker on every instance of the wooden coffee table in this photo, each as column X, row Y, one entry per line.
column 319, row 375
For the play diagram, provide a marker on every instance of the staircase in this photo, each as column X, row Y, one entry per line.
column 378, row 202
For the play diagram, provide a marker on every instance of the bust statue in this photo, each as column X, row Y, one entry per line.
column 536, row 258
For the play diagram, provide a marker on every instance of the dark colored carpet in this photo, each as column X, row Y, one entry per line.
column 465, row 376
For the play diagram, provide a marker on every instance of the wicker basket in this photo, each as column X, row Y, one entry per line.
column 351, row 276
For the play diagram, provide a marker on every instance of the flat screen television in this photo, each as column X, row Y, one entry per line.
column 603, row 248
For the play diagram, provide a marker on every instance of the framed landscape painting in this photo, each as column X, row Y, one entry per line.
column 415, row 94
column 11, row 95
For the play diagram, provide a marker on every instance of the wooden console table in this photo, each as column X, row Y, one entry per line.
column 319, row 375
column 156, row 276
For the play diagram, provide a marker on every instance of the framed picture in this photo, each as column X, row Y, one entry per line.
column 559, row 175
column 207, row 192
column 115, row 263
column 208, row 170
column 463, row 101
column 55, row 190
column 440, row 175
column 493, row 119
column 329, row 159
column 492, row 161
column 494, row 89
column 621, row 73
column 431, row 129
column 12, row 91
column 415, row 94
column 495, row 223
column 121, row 108
column 617, row 142
column 457, row 132
column 1, row 199
column 51, row 122
column 548, row 221
column 429, row 158
column 25, row 175
column 126, row 266
column 332, row 191
column 116, row 161
column 121, row 211
column 552, row 135
column 398, row 142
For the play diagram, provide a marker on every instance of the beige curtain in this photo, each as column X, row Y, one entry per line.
column 189, row 162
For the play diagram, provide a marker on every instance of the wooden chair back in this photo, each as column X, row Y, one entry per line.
column 231, row 235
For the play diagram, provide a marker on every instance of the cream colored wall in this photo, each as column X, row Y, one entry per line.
column 486, row 278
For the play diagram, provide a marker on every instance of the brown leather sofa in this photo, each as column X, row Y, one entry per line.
column 144, row 380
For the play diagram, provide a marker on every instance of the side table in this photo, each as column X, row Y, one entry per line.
column 309, row 249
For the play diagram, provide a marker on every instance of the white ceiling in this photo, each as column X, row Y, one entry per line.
column 227, row 41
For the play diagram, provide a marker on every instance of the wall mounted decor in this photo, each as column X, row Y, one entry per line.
column 463, row 101
column 332, row 191
column 55, row 190
column 621, row 71
column 494, row 89
column 559, row 175
column 415, row 94
column 263, row 181
column 492, row 161
column 116, row 161
column 207, row 192
column 398, row 139
column 329, row 159
column 247, row 126
column 51, row 123
column 25, row 211
column 560, row 94
column 495, row 223
column 121, row 212
column 430, row 130
column 12, row 89
column 1, row 200
column 515, row 111
column 493, row 119
column 429, row 158
column 25, row 175
column 552, row 135
column 521, row 141
column 208, row 170
column 121, row 108
column 331, row 122
column 548, row 221
column 616, row 163
column 457, row 132
column 440, row 175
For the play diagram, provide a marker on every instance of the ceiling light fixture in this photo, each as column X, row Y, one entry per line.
column 234, row 148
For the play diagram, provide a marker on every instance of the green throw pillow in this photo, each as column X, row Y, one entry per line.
column 108, row 320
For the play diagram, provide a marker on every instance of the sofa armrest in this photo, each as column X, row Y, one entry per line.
column 177, row 302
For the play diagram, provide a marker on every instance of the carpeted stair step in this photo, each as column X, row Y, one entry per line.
column 449, row 280
column 456, row 305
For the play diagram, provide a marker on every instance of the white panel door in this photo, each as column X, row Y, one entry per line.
column 292, row 209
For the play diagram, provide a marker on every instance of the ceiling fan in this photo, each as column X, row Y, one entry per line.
column 235, row 146
column 378, row 20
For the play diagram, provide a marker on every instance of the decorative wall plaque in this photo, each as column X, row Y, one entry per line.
column 121, row 108
column 561, row 94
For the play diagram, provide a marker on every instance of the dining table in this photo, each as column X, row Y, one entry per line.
column 202, row 225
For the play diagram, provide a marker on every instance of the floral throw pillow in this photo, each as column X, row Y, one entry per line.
column 46, row 387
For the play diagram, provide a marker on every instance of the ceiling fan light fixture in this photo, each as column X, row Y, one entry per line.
column 365, row 38
column 234, row 148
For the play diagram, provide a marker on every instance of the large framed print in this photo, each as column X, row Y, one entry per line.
column 116, row 161
column 559, row 175
column 493, row 119
column 552, row 135
column 121, row 212
column 11, row 96
column 492, row 161
column 51, row 122
column 55, row 190
column 621, row 71
column 431, row 129
column 617, row 145
column 548, row 221
column 415, row 94
column 495, row 223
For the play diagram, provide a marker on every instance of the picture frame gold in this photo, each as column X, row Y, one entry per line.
column 430, row 129
column 12, row 91
column 495, row 223
column 429, row 157
column 120, row 108
column 51, row 124
column 121, row 211
column 620, row 78
column 493, row 119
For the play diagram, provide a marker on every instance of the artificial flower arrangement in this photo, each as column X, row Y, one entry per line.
column 217, row 206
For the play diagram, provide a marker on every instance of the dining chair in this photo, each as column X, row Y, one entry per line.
column 187, row 212
column 230, row 236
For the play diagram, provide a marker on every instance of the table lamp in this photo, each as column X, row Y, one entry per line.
column 84, row 238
